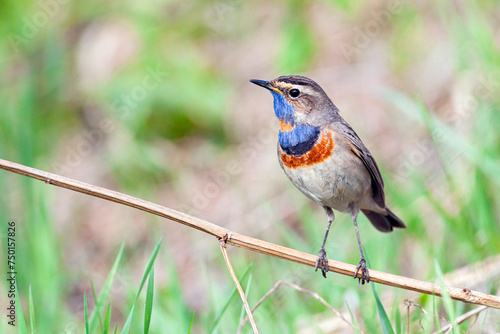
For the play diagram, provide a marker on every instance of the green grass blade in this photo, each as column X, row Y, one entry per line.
column 86, row 312
column 448, row 303
column 384, row 319
column 435, row 310
column 94, row 293
column 20, row 316
column 149, row 301
column 107, row 286
column 224, row 308
column 353, row 320
column 107, row 319
column 32, row 312
column 483, row 323
column 399, row 323
column 126, row 327
column 148, row 268
column 247, row 288
column 191, row 323
column 147, row 272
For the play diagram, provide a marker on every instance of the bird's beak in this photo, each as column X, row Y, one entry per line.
column 262, row 83
column 266, row 84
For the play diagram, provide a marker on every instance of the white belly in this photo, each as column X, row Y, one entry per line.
column 330, row 183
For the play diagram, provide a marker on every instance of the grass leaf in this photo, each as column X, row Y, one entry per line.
column 399, row 324
column 233, row 294
column 353, row 319
column 86, row 312
column 126, row 327
column 20, row 316
column 96, row 297
column 107, row 286
column 107, row 318
column 191, row 323
column 32, row 312
column 148, row 309
column 384, row 319
column 247, row 288
column 148, row 268
column 435, row 310
column 147, row 272
column 448, row 303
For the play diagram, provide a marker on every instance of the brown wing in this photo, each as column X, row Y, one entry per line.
column 360, row 150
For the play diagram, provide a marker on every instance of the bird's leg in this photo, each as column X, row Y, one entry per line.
column 365, row 275
column 322, row 261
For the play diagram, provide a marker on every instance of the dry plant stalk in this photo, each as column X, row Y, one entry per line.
column 301, row 289
column 472, row 313
column 408, row 303
column 222, row 243
column 458, row 320
column 246, row 242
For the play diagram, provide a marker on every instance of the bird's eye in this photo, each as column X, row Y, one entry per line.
column 294, row 92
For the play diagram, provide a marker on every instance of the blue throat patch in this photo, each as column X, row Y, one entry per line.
column 283, row 110
column 299, row 140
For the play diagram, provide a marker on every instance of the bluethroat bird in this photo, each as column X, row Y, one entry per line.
column 325, row 159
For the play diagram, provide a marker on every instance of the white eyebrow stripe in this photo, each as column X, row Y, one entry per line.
column 307, row 90
column 302, row 88
column 285, row 85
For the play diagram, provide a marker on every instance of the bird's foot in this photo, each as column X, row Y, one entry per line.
column 365, row 275
column 322, row 262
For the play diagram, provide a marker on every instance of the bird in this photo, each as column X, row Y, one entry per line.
column 327, row 161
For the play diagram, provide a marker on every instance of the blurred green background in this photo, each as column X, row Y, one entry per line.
column 152, row 99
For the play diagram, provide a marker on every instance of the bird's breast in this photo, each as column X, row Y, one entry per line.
column 329, row 173
column 314, row 148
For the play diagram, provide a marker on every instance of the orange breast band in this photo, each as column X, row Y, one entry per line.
column 318, row 153
column 285, row 126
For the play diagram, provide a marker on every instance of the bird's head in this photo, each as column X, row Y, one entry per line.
column 299, row 101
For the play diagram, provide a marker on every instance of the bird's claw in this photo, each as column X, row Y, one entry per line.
column 322, row 262
column 365, row 275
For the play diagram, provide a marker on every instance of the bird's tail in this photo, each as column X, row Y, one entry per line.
column 384, row 223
